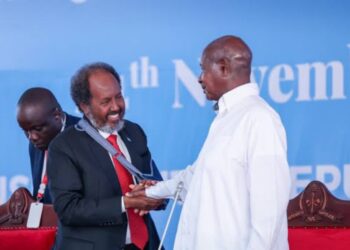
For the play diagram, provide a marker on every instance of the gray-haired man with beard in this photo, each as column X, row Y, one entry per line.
column 87, row 183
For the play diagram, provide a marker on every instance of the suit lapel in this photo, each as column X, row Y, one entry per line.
column 104, row 163
column 136, row 159
column 38, row 156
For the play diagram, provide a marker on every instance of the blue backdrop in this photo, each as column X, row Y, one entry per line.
column 301, row 62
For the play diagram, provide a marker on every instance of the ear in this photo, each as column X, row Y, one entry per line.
column 85, row 108
column 57, row 113
column 224, row 67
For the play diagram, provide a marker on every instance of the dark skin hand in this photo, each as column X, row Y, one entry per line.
column 139, row 189
column 138, row 200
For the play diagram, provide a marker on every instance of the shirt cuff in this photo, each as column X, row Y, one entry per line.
column 123, row 205
column 161, row 190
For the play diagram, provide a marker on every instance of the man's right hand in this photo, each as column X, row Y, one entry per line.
column 141, row 202
column 138, row 200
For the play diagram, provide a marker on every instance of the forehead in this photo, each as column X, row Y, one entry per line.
column 103, row 83
column 206, row 56
column 32, row 115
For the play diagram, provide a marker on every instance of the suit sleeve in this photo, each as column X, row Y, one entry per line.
column 71, row 202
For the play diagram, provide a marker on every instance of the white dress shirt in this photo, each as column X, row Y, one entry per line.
column 236, row 193
column 126, row 154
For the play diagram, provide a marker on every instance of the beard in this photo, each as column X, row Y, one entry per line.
column 105, row 127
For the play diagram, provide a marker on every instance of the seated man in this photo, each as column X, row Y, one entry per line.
column 41, row 118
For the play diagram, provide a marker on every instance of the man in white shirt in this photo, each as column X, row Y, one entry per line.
column 236, row 193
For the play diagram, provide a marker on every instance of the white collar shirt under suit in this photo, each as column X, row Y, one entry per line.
column 236, row 193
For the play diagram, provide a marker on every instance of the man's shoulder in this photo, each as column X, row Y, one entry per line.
column 71, row 120
column 71, row 134
column 131, row 125
column 257, row 105
column 256, row 109
column 132, row 129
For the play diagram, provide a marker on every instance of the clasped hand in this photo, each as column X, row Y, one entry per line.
column 138, row 200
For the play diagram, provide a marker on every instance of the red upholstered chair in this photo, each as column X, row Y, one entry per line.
column 318, row 221
column 14, row 235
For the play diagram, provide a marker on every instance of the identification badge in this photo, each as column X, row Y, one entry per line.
column 34, row 217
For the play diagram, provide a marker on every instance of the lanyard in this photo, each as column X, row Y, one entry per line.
column 83, row 125
column 44, row 180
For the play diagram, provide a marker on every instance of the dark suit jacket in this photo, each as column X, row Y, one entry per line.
column 36, row 162
column 86, row 191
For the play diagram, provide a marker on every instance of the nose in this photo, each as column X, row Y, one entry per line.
column 114, row 105
column 32, row 136
column 200, row 80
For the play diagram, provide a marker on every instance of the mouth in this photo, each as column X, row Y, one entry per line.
column 204, row 89
column 114, row 117
column 206, row 93
column 40, row 146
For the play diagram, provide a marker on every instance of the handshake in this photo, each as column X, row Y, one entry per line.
column 136, row 198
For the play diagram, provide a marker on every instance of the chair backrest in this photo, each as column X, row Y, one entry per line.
column 14, row 213
column 317, row 207
column 14, row 234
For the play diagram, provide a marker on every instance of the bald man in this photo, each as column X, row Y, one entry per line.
column 236, row 193
column 41, row 118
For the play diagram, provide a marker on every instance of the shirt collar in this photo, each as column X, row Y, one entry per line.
column 234, row 96
column 105, row 135
column 64, row 119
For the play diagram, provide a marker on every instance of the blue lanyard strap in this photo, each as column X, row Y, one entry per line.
column 83, row 125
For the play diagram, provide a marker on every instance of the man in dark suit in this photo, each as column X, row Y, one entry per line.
column 87, row 183
column 41, row 118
